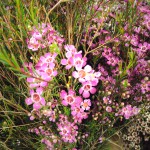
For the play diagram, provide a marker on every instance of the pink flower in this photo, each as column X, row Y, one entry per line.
column 68, row 131
column 134, row 40
column 34, row 82
column 112, row 60
column 48, row 58
column 87, row 88
column 86, row 104
column 107, row 52
column 47, row 73
column 33, row 44
column 83, row 74
column 68, row 98
column 36, row 99
column 71, row 50
column 143, row 47
column 108, row 109
column 76, row 111
column 67, row 62
column 79, row 62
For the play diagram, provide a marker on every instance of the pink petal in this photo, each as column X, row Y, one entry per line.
column 68, row 66
column 68, row 54
column 28, row 101
column 88, row 68
column 86, row 94
column 30, row 80
column 64, row 103
column 93, row 90
column 81, row 90
column 55, row 73
column 63, row 94
column 43, row 84
column 31, row 92
column 64, row 61
column 75, row 74
column 34, row 85
column 42, row 101
column 39, row 90
column 36, row 106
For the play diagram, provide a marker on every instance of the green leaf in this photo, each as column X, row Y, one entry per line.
column 67, row 111
column 54, row 48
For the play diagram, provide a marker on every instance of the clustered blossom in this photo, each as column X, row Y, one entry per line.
column 49, row 138
column 67, row 130
column 36, row 99
column 129, row 111
column 77, row 105
column 112, row 59
column 43, row 36
column 41, row 74
column 120, row 76
column 74, row 58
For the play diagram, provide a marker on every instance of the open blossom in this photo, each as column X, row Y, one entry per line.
column 47, row 58
column 67, row 98
column 108, row 109
column 82, row 74
column 87, row 88
column 47, row 73
column 43, row 36
column 67, row 130
column 73, row 58
column 85, row 105
column 129, row 111
column 36, row 99
column 87, row 74
column 71, row 50
column 67, row 62
column 143, row 47
column 34, row 44
column 79, row 62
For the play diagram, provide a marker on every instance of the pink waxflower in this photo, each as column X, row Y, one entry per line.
column 68, row 98
column 82, row 74
column 134, row 40
column 108, row 109
column 67, row 130
column 67, row 62
column 36, row 99
column 143, row 47
column 43, row 36
column 33, row 44
column 48, row 58
column 112, row 60
column 71, row 50
column 77, row 111
column 107, row 52
column 129, row 111
column 85, row 105
column 79, row 62
column 87, row 88
column 47, row 73
column 35, row 82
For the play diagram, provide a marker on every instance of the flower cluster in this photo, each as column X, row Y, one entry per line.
column 129, row 111
column 43, row 36
column 40, row 75
column 67, row 130
column 115, row 68
column 77, row 105
column 140, row 126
